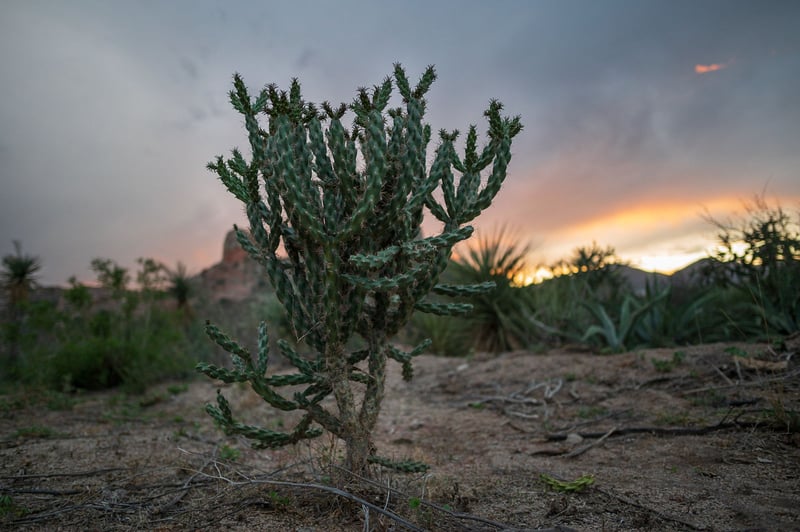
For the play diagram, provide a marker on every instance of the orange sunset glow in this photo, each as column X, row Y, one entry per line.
column 704, row 69
column 658, row 237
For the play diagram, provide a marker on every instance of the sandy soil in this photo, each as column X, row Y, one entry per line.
column 706, row 439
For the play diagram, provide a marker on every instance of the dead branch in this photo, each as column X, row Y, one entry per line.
column 660, row 431
column 75, row 474
column 580, row 450
column 759, row 382
column 308, row 485
column 429, row 504
column 653, row 511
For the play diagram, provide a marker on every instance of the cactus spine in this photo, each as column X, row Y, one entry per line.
column 354, row 262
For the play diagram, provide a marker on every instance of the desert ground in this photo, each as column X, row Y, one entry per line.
column 695, row 438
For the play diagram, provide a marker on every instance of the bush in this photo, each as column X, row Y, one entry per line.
column 759, row 260
column 132, row 340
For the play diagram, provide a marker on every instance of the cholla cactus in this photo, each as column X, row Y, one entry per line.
column 354, row 263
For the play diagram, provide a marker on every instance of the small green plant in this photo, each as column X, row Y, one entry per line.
column 346, row 207
column 574, row 486
column 414, row 502
column 590, row 412
column 35, row 431
column 736, row 351
column 679, row 419
column 780, row 415
column 9, row 507
column 177, row 389
column 665, row 366
column 227, row 452
column 279, row 500
column 60, row 401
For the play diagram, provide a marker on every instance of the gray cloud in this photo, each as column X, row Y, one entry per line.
column 111, row 111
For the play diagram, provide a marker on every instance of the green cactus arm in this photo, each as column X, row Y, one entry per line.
column 375, row 260
column 375, row 156
column 290, row 380
column 404, row 358
column 436, row 209
column 470, row 179
column 464, row 290
column 344, row 164
column 442, row 173
column 264, row 438
column 499, row 168
column 226, row 343
column 232, row 183
column 388, row 283
column 263, row 349
column 305, row 367
column 247, row 245
column 262, row 388
column 221, row 374
column 398, row 194
column 444, row 309
column 401, row 466
column 241, row 102
column 448, row 239
column 301, row 208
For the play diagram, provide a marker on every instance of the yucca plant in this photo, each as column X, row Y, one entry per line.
column 346, row 207
column 18, row 280
column 181, row 288
column 500, row 320
column 19, row 275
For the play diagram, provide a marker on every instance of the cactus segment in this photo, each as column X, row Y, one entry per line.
column 444, row 309
column 464, row 290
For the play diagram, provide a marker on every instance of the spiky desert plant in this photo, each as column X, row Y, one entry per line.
column 19, row 275
column 346, row 207
column 501, row 317
column 18, row 279
column 181, row 288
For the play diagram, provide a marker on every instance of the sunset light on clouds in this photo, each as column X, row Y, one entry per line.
column 640, row 117
column 704, row 69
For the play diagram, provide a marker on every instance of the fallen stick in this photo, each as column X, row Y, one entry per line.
column 580, row 450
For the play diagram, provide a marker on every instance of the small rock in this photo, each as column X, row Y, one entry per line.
column 573, row 438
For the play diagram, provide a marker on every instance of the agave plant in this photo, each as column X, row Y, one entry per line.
column 616, row 335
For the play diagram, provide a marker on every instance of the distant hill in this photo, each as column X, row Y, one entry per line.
column 638, row 279
column 689, row 274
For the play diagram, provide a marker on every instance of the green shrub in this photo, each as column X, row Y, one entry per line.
column 759, row 259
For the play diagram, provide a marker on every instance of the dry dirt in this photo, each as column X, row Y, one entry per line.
column 703, row 440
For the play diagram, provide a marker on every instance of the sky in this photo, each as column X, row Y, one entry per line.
column 640, row 116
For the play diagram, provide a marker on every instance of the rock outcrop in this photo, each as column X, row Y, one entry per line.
column 236, row 277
